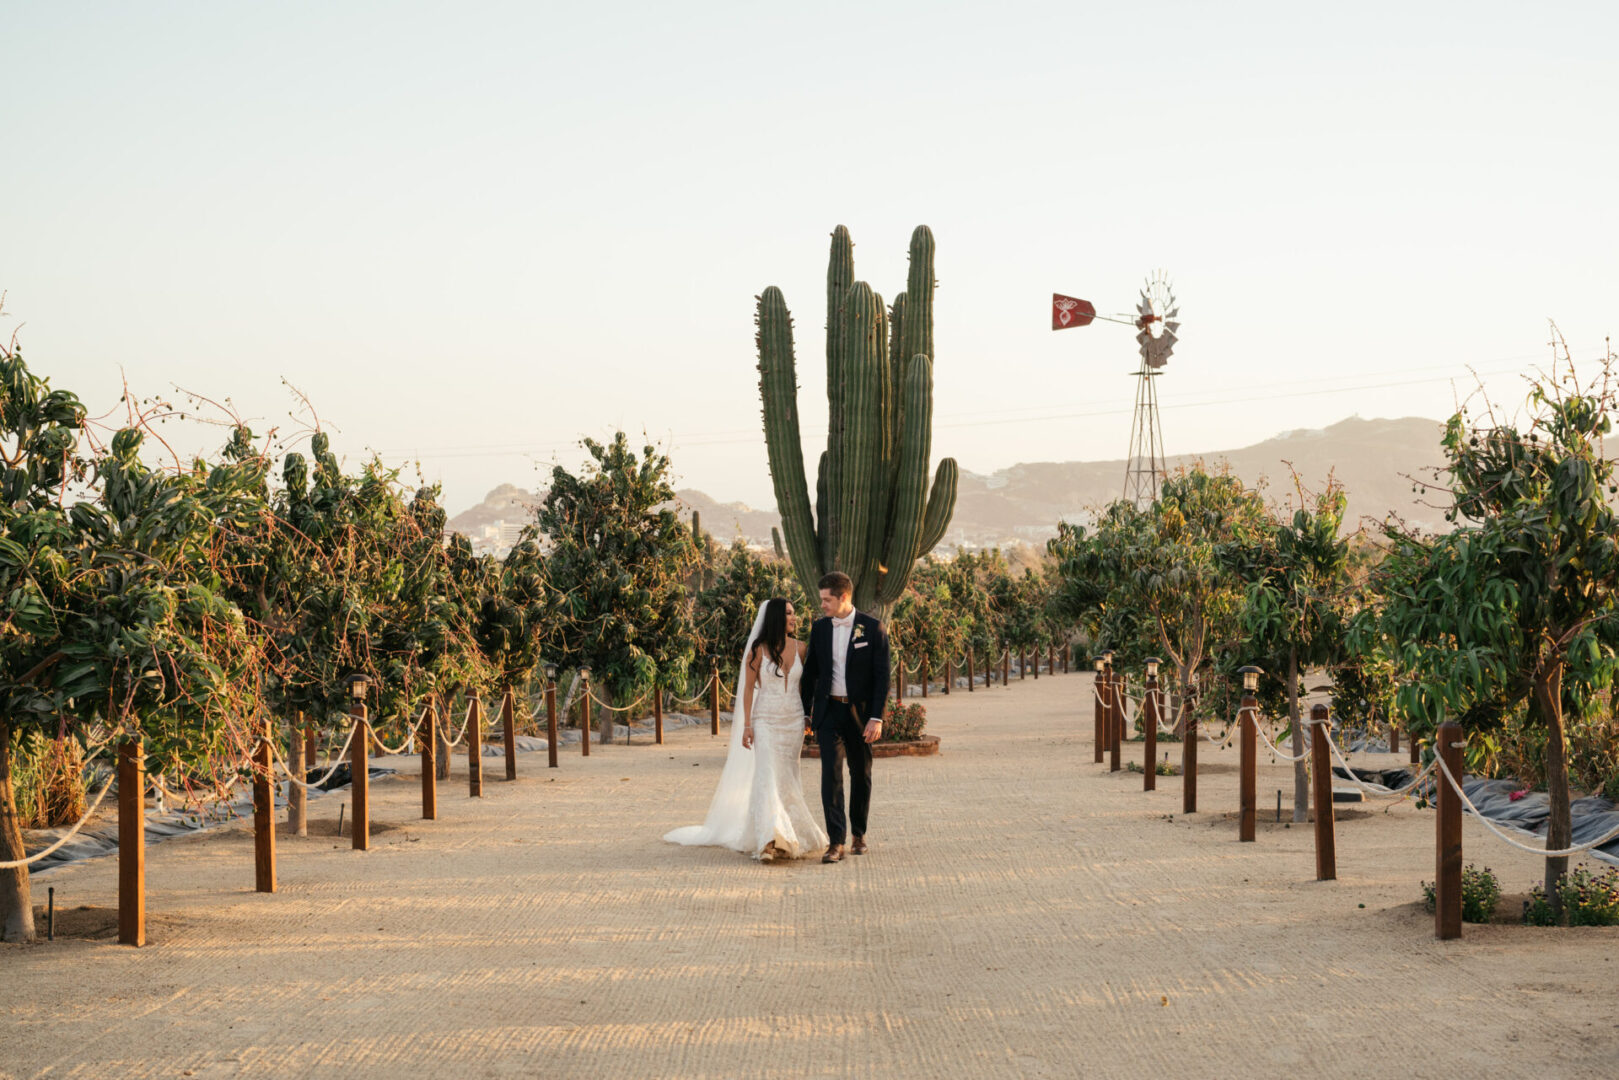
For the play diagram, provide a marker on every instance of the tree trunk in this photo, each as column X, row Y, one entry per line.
column 1548, row 696
column 16, row 899
column 604, row 726
column 1301, row 768
column 441, row 735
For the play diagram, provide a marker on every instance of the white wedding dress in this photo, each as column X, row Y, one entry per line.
column 760, row 797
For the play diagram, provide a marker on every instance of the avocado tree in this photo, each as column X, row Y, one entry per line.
column 1297, row 574
column 619, row 561
column 1517, row 604
column 39, row 432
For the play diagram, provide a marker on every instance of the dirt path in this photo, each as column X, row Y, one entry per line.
column 1022, row 914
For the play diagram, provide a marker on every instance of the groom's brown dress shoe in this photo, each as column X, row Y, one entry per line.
column 833, row 854
column 859, row 846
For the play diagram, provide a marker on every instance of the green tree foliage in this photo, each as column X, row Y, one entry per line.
column 39, row 430
column 724, row 611
column 1517, row 603
column 619, row 564
column 925, row 624
column 1297, row 574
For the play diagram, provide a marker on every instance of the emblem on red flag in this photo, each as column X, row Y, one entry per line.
column 1070, row 311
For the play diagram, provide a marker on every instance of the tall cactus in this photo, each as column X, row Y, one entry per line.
column 874, row 513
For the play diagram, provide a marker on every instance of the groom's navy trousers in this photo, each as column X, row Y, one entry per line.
column 842, row 738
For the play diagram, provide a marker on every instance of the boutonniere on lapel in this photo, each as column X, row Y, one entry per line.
column 859, row 632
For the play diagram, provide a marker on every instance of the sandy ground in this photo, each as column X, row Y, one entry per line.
column 1022, row 914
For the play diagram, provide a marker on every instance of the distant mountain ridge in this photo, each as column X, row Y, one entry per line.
column 1373, row 459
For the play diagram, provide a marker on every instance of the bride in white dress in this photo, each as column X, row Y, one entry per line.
column 759, row 806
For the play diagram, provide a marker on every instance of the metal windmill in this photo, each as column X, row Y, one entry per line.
column 1157, row 323
column 1157, row 320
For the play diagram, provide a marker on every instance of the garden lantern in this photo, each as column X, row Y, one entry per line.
column 1152, row 667
column 1099, row 664
column 358, row 684
column 550, row 673
column 1250, row 677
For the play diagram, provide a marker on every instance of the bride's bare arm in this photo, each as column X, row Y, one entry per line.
column 747, row 700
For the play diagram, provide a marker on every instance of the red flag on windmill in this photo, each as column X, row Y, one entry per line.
column 1070, row 311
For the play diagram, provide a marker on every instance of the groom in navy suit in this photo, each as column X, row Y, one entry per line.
column 845, row 687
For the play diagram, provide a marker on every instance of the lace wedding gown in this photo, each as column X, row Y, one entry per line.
column 774, row 808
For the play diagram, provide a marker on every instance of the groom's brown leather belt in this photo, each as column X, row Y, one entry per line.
column 835, row 697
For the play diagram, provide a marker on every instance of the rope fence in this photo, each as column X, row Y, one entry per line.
column 1578, row 849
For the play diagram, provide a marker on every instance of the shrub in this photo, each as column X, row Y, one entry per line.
column 1162, row 768
column 902, row 723
column 1480, row 893
column 1588, row 900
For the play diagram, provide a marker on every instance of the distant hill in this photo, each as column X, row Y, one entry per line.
column 1371, row 458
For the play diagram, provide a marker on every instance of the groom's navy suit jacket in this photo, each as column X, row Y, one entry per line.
column 865, row 670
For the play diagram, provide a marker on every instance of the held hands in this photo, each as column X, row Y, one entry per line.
column 747, row 737
column 874, row 730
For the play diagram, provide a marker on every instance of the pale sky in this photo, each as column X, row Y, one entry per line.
column 473, row 232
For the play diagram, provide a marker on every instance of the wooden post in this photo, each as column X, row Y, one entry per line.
column 1188, row 754
column 1249, row 741
column 584, row 721
column 1006, row 667
column 264, row 811
column 1416, row 751
column 1022, row 663
column 1051, row 659
column 1326, row 852
column 474, row 745
column 1098, row 692
column 428, row 737
column 297, row 797
column 1036, row 651
column 970, row 671
column 1448, row 836
column 924, row 675
column 657, row 713
column 1394, row 739
column 508, row 721
column 359, row 768
column 1115, row 718
column 1149, row 731
column 551, row 723
column 949, row 674
column 1067, row 654
column 131, row 844
column 714, row 701
column 899, row 682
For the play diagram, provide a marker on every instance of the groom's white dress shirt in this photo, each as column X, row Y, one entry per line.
column 841, row 629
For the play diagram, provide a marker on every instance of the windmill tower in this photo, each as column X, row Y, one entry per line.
column 1157, row 320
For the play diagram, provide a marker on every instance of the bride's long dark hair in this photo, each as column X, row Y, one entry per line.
column 773, row 634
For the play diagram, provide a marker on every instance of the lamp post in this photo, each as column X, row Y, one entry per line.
column 1149, row 726
column 359, row 761
column 1114, row 713
column 1250, row 749
column 551, row 715
column 1098, row 687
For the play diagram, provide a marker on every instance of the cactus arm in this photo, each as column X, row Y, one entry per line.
column 905, row 535
column 839, row 279
column 778, row 389
column 896, row 371
column 919, row 296
column 823, row 512
column 879, row 487
column 862, row 420
column 941, row 505
column 775, row 539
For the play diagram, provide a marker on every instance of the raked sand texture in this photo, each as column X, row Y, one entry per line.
column 1022, row 913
